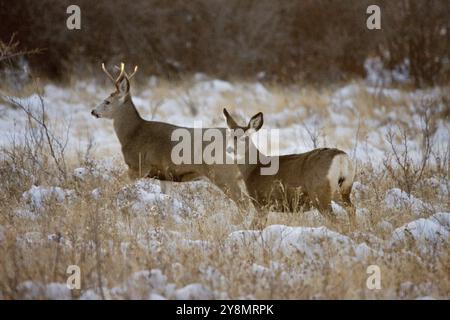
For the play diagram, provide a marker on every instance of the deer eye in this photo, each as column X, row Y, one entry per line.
column 107, row 102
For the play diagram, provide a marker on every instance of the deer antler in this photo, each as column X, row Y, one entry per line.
column 131, row 75
column 122, row 71
column 108, row 74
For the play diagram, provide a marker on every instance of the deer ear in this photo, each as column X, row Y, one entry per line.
column 256, row 122
column 230, row 121
column 124, row 86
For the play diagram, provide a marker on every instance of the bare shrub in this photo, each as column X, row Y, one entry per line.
column 39, row 144
column 10, row 50
column 410, row 171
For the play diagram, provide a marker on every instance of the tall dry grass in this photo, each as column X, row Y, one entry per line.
column 101, row 233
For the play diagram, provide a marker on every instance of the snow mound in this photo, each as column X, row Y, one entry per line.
column 338, row 210
column 37, row 197
column 360, row 191
column 90, row 295
column 144, row 284
column 35, row 290
column 194, row 291
column 311, row 243
column 442, row 218
column 58, row 291
column 397, row 199
column 153, row 285
column 145, row 197
column 103, row 170
column 425, row 234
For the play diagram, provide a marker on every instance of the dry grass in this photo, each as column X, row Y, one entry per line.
column 110, row 241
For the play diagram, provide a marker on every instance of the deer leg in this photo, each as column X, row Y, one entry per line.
column 327, row 211
column 351, row 210
column 322, row 201
column 236, row 194
column 133, row 174
column 223, row 180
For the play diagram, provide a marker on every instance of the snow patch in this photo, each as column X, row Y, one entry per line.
column 194, row 291
column 146, row 197
column 311, row 243
column 30, row 290
column 397, row 199
column 38, row 196
column 214, row 85
column 425, row 234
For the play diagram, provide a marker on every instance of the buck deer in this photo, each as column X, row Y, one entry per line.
column 147, row 145
column 315, row 177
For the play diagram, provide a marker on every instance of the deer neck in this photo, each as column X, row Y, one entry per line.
column 253, row 160
column 127, row 122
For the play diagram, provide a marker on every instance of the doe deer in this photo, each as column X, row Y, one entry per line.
column 316, row 177
column 147, row 145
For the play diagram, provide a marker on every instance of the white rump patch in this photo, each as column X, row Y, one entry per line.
column 341, row 167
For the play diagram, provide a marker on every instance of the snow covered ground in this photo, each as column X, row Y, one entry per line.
column 141, row 241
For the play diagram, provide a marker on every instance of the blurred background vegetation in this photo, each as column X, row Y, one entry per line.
column 314, row 41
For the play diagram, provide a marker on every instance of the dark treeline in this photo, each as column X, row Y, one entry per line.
column 286, row 40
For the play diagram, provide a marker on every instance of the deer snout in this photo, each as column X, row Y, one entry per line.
column 95, row 114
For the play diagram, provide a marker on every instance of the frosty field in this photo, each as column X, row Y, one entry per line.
column 73, row 204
